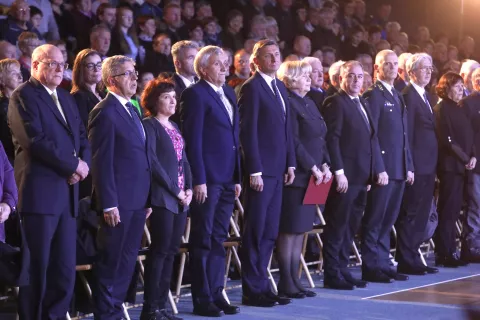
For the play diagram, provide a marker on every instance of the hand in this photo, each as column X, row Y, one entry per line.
column 112, row 217
column 149, row 212
column 181, row 196
column 342, row 183
column 382, row 179
column 238, row 191
column 289, row 176
column 256, row 183
column 82, row 169
column 327, row 174
column 5, row 211
column 410, row 177
column 188, row 198
column 318, row 175
column 369, row 187
column 471, row 164
column 75, row 178
column 200, row 192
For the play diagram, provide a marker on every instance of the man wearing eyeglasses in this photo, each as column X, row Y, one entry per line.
column 52, row 157
column 18, row 21
column 121, row 184
column 417, row 198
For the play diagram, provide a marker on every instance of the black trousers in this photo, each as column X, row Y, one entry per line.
column 115, row 263
column 383, row 207
column 51, row 240
column 166, row 230
column 413, row 219
column 450, row 200
column 343, row 213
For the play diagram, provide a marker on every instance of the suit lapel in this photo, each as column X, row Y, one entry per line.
column 353, row 105
column 216, row 98
column 387, row 93
column 269, row 91
column 42, row 92
column 124, row 114
column 67, row 111
column 426, row 109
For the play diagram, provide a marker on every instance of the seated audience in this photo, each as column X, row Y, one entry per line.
column 124, row 39
column 27, row 42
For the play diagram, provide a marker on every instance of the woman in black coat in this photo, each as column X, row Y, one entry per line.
column 309, row 130
column 456, row 156
column 171, row 193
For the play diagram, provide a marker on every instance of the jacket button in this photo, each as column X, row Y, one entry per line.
column 383, row 152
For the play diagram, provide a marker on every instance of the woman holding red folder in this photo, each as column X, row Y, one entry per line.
column 309, row 130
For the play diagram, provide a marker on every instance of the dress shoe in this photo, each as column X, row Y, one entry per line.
column 376, row 276
column 168, row 315
column 470, row 255
column 226, row 307
column 309, row 293
column 294, row 295
column 258, row 301
column 208, row 310
column 416, row 271
column 356, row 282
column 281, row 300
column 151, row 315
column 431, row 270
column 395, row 275
column 451, row 261
column 338, row 284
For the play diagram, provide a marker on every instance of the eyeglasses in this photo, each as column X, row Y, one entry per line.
column 24, row 10
column 128, row 73
column 92, row 66
column 425, row 69
column 55, row 65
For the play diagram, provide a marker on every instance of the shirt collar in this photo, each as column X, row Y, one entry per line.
column 50, row 92
column 122, row 100
column 266, row 77
column 187, row 82
column 386, row 85
column 214, row 87
column 420, row 90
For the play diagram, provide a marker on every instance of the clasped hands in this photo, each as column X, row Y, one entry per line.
column 5, row 211
column 321, row 176
column 185, row 197
column 80, row 173
column 200, row 192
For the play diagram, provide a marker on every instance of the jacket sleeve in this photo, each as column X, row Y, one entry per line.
column 374, row 105
column 304, row 159
column 333, row 113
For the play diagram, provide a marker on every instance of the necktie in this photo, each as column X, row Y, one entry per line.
column 136, row 120
column 226, row 103
column 396, row 97
column 57, row 103
column 426, row 101
column 277, row 96
column 362, row 112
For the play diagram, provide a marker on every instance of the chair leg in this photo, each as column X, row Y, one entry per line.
column 224, row 294
column 68, row 316
column 172, row 302
column 125, row 312
column 270, row 277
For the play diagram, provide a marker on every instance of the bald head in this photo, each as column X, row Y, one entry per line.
column 48, row 65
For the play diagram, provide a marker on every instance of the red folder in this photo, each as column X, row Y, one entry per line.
column 317, row 194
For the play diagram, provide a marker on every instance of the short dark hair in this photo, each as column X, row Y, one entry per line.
column 101, row 8
column 447, row 81
column 374, row 29
column 34, row 11
column 153, row 90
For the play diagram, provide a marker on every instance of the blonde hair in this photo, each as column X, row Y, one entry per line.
column 291, row 71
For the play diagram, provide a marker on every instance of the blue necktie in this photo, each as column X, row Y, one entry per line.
column 277, row 96
column 426, row 101
column 136, row 119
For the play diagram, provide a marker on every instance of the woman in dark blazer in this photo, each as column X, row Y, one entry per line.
column 309, row 130
column 171, row 193
column 456, row 156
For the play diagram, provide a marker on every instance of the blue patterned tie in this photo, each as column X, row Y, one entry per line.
column 277, row 96
column 136, row 119
column 425, row 98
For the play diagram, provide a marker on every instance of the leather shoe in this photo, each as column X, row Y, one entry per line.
column 168, row 315
column 281, row 300
column 471, row 255
column 451, row 261
column 431, row 270
column 309, row 293
column 208, row 310
column 294, row 295
column 416, row 271
column 226, row 307
column 356, row 282
column 258, row 301
column 151, row 315
column 338, row 284
column 395, row 275
column 376, row 276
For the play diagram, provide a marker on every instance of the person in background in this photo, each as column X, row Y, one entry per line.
column 309, row 130
column 8, row 191
column 171, row 194
column 232, row 35
column 466, row 71
column 143, row 79
column 241, row 69
column 195, row 32
column 456, row 158
column 27, row 42
column 100, row 37
column 367, row 82
column 159, row 59
column 316, row 93
column 17, row 21
column 82, row 19
column 7, row 50
column 147, row 27
column 124, row 40
column 10, row 79
column 67, row 73
column 403, row 79
column 106, row 14
column 210, row 32
column 63, row 17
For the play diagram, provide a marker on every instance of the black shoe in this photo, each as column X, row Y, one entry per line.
column 376, row 276
column 452, row 261
column 395, row 275
column 309, row 293
column 416, row 271
column 258, row 301
column 281, row 300
column 356, row 282
column 208, row 310
column 338, row 284
column 295, row 295
column 431, row 270
column 470, row 255
column 226, row 307
column 168, row 315
column 151, row 315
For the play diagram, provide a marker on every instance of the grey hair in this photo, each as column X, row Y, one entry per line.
column 468, row 66
column 402, row 59
column 111, row 65
column 381, row 56
column 345, row 67
column 415, row 59
column 335, row 69
column 203, row 56
column 311, row 60
column 178, row 49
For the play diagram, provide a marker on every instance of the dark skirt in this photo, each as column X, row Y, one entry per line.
column 296, row 217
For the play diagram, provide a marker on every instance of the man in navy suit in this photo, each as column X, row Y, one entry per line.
column 417, row 199
column 389, row 117
column 210, row 128
column 267, row 145
column 353, row 147
column 121, row 184
column 52, row 155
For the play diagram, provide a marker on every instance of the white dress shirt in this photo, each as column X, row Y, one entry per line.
column 421, row 92
column 228, row 106
column 386, row 85
column 186, row 82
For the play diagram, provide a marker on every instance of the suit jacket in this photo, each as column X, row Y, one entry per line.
column 265, row 130
column 351, row 145
column 455, row 136
column 330, row 91
column 86, row 101
column 471, row 103
column 120, row 168
column 212, row 140
column 47, row 148
column 309, row 131
column 318, row 97
column 164, row 163
column 5, row 134
column 179, row 87
column 389, row 118
column 421, row 132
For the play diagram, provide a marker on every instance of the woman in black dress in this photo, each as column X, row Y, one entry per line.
column 309, row 130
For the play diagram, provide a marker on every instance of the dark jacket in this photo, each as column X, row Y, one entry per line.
column 86, row 101
column 471, row 104
column 5, row 134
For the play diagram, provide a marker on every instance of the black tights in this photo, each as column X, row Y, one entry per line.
column 289, row 249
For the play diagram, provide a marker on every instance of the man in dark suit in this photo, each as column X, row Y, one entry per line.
column 183, row 53
column 333, row 76
column 389, row 117
column 402, row 79
column 269, row 158
column 352, row 146
column 210, row 128
column 417, row 198
column 316, row 93
column 121, row 184
column 52, row 156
